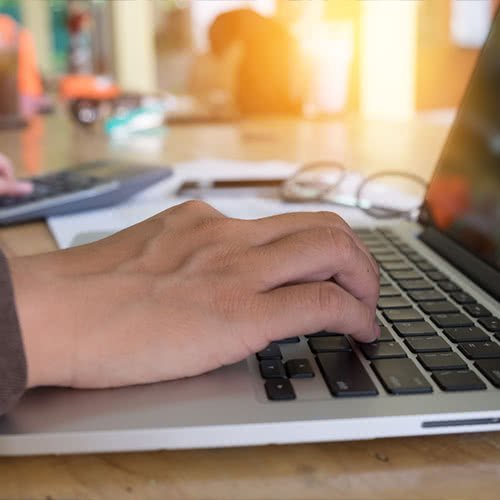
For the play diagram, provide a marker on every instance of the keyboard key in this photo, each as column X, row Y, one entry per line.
column 426, row 296
column 404, row 275
column 272, row 351
column 272, row 368
column 461, row 380
column 442, row 361
column 437, row 276
column 491, row 324
column 415, row 257
column 376, row 245
column 324, row 334
column 386, row 257
column 427, row 344
column 477, row 310
column 448, row 286
column 442, row 306
column 490, row 368
column 401, row 376
column 402, row 315
column 398, row 265
column 345, row 375
column 329, row 344
column 384, row 281
column 385, row 335
column 389, row 291
column 393, row 303
column 299, row 368
column 426, row 266
column 403, row 247
column 279, row 390
column 450, row 320
column 382, row 350
column 480, row 350
column 415, row 285
column 462, row 298
column 414, row 329
column 466, row 334
column 288, row 340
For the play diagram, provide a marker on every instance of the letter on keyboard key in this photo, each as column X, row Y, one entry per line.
column 401, row 376
column 427, row 344
column 279, row 390
column 480, row 350
column 442, row 361
column 329, row 344
column 414, row 329
column 459, row 380
column 415, row 285
column 426, row 295
column 345, row 375
column 477, row 310
column 299, row 368
column 491, row 324
column 382, row 350
column 490, row 368
column 402, row 315
column 451, row 320
column 272, row 351
column 440, row 307
column 466, row 334
column 393, row 303
column 272, row 368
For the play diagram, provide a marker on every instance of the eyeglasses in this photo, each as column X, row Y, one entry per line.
column 383, row 195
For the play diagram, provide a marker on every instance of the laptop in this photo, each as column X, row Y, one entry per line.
column 435, row 370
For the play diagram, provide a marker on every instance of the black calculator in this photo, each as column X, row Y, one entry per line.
column 83, row 187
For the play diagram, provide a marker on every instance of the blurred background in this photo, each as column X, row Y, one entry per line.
column 382, row 59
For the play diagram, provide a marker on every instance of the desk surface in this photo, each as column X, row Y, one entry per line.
column 458, row 466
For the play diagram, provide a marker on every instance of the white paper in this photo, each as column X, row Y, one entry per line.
column 70, row 230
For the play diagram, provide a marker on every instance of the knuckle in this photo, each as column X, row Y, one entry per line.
column 332, row 218
column 195, row 206
column 343, row 243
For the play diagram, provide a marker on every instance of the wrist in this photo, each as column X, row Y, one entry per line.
column 42, row 310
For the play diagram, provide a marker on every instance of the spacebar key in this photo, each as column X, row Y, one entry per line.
column 344, row 375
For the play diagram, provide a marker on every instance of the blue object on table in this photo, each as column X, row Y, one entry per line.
column 84, row 187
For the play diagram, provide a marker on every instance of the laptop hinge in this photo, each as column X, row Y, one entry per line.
column 476, row 269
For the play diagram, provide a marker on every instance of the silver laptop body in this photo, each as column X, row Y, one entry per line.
column 455, row 242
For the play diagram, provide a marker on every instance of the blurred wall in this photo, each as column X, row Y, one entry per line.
column 133, row 41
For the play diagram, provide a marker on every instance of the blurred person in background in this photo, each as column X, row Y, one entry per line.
column 256, row 60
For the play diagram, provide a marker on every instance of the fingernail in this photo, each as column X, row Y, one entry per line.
column 376, row 331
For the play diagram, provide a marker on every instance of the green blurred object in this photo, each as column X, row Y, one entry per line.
column 11, row 8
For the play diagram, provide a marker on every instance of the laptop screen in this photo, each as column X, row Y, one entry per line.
column 463, row 199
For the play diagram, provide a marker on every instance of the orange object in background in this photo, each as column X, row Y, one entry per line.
column 11, row 36
column 93, row 87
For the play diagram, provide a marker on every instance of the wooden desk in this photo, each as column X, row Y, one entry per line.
column 458, row 467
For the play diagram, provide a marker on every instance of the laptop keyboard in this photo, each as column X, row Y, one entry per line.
column 431, row 330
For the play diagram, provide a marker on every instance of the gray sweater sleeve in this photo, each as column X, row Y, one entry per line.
column 13, row 372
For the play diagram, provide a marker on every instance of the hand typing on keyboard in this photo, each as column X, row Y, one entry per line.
column 188, row 291
column 9, row 186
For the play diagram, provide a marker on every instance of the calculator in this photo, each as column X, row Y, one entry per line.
column 86, row 186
